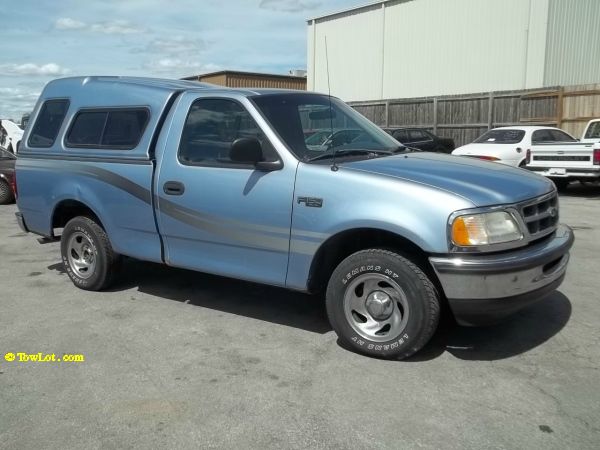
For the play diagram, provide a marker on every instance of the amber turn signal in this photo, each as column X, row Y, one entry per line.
column 460, row 234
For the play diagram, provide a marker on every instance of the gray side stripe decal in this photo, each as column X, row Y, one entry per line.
column 103, row 175
column 255, row 240
column 251, row 235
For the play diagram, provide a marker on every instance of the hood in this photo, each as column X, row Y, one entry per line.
column 483, row 183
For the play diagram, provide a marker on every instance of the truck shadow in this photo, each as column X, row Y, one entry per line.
column 515, row 335
column 267, row 303
column 582, row 190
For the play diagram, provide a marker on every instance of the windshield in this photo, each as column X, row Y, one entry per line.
column 311, row 128
column 593, row 131
column 501, row 137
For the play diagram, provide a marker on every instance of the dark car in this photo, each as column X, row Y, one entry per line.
column 7, row 177
column 421, row 139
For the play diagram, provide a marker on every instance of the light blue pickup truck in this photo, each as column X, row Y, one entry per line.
column 222, row 181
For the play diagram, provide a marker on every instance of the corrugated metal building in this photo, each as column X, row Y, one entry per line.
column 419, row 48
column 237, row 79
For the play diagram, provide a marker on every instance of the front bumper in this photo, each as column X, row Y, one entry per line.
column 484, row 288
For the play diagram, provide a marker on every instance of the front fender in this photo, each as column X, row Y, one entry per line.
column 357, row 200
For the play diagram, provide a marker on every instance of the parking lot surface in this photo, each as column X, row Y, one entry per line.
column 178, row 359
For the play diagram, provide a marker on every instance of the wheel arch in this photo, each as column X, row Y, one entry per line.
column 67, row 209
column 344, row 243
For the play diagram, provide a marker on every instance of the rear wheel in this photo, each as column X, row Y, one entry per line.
column 381, row 304
column 87, row 255
column 6, row 193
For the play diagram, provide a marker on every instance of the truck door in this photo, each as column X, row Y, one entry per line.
column 216, row 215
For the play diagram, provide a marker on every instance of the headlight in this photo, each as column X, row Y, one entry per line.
column 483, row 229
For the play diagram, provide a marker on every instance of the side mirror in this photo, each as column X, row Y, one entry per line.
column 246, row 151
column 249, row 151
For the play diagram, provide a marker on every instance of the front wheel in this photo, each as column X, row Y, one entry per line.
column 87, row 255
column 381, row 304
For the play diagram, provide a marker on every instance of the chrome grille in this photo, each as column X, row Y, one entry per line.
column 541, row 215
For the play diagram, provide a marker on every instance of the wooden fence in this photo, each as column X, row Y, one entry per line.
column 465, row 117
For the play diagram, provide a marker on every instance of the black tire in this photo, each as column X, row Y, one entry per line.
column 6, row 194
column 104, row 263
column 419, row 308
column 560, row 183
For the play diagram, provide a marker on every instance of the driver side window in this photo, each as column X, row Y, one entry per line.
column 210, row 128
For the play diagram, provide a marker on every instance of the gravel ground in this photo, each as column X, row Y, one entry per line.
column 177, row 359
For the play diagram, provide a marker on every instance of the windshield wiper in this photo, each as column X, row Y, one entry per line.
column 350, row 151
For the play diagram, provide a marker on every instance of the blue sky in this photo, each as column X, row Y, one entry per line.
column 45, row 39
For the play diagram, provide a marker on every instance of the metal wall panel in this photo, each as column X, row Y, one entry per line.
column 451, row 47
column 573, row 43
column 414, row 48
column 355, row 54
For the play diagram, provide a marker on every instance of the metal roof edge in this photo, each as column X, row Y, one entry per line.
column 345, row 10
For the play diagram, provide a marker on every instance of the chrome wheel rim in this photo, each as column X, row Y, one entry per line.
column 376, row 307
column 81, row 255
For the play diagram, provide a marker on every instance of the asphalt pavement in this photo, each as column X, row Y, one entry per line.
column 178, row 359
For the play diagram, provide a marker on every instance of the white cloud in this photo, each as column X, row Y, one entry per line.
column 179, row 67
column 177, row 63
column 14, row 102
column 109, row 27
column 176, row 56
column 66, row 23
column 290, row 6
column 177, row 44
column 50, row 69
column 116, row 27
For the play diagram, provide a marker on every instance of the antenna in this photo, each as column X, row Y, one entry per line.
column 334, row 168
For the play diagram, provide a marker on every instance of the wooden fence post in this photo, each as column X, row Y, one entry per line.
column 435, row 117
column 387, row 113
column 559, row 107
column 490, row 111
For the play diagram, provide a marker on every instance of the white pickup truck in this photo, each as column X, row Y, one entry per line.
column 568, row 161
